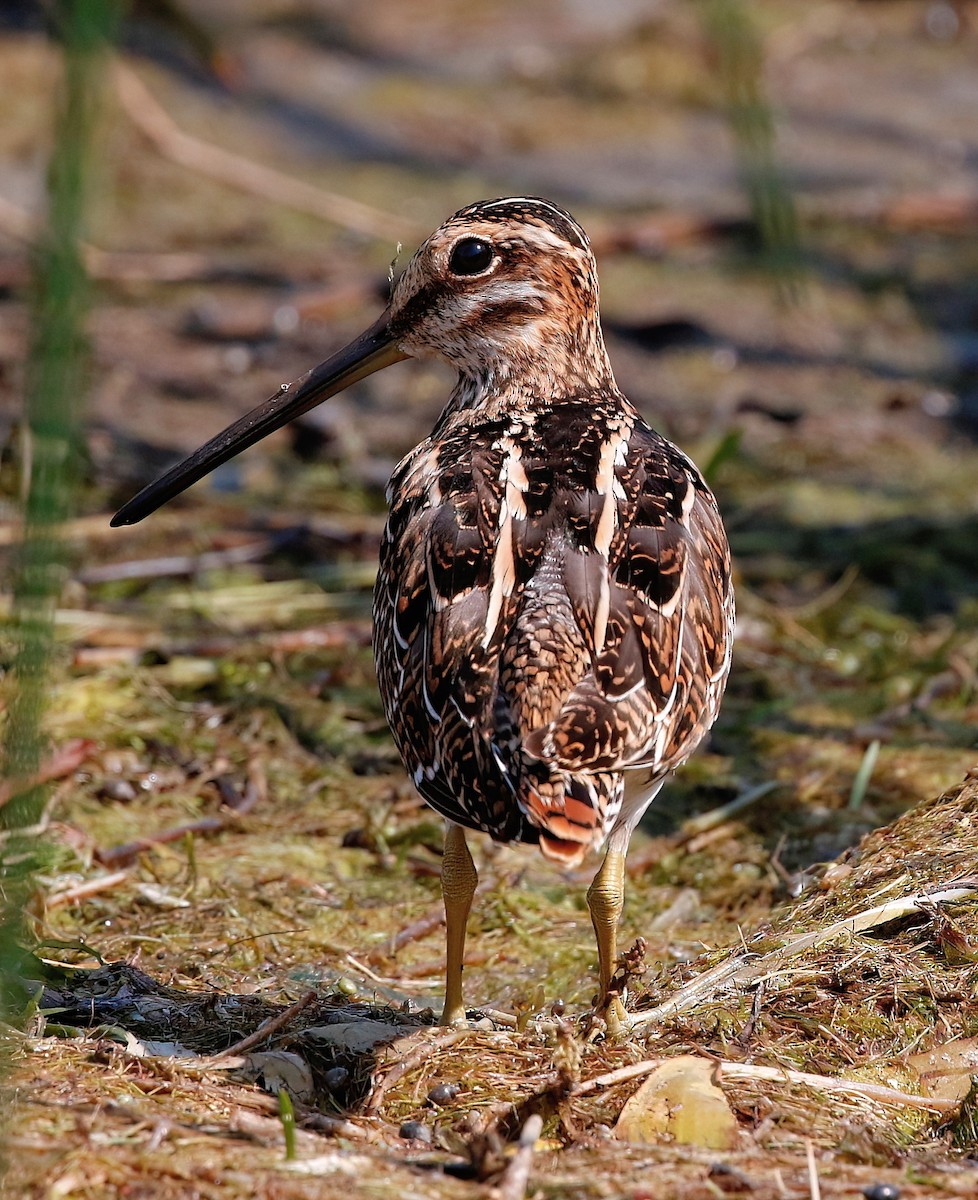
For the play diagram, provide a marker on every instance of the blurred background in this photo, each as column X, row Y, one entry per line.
column 709, row 148
column 783, row 199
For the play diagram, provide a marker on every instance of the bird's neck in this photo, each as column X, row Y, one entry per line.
column 533, row 380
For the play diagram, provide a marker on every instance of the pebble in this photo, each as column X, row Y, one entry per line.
column 882, row 1191
column 336, row 1077
column 415, row 1131
column 443, row 1093
column 120, row 790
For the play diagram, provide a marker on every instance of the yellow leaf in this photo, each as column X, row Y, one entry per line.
column 680, row 1101
column 946, row 1071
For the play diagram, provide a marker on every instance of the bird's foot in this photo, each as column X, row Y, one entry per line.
column 616, row 1018
column 483, row 1019
column 454, row 1017
column 608, row 1019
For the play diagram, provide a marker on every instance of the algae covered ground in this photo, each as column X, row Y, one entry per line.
column 229, row 831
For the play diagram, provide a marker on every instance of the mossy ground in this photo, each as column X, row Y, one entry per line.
column 235, row 703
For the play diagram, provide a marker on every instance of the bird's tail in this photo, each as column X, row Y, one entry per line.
column 573, row 813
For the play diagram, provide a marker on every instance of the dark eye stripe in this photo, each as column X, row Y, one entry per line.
column 471, row 256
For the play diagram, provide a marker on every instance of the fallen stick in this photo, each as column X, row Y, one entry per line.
column 515, row 1178
column 82, row 891
column 268, row 1130
column 128, row 852
column 428, row 1047
column 62, row 762
column 94, row 526
column 418, row 929
column 742, row 969
column 235, row 804
column 425, row 924
column 265, row 1030
column 116, row 266
column 748, row 1072
column 181, row 564
column 207, row 158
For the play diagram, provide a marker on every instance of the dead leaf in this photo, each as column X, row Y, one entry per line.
column 355, row 1037
column 282, row 1069
column 679, row 1100
column 946, row 1071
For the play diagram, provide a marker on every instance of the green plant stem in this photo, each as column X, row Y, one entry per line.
column 287, row 1116
column 861, row 781
column 740, row 64
column 53, row 414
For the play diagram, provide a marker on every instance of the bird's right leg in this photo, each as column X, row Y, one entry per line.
column 458, row 882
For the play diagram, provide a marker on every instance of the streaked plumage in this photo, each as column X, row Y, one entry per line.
column 551, row 610
column 553, row 615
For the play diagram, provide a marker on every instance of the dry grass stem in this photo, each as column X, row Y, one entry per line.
column 814, row 1189
column 267, row 1028
column 82, row 891
column 212, row 160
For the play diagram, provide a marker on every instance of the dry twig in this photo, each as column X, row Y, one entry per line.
column 428, row 1046
column 207, row 158
column 427, row 923
column 739, row 970
column 512, row 1186
column 267, row 1028
column 81, row 891
column 63, row 761
column 181, row 564
column 749, row 1072
column 179, row 267
column 234, row 807
column 128, row 852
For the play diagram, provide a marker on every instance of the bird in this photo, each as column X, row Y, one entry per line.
column 553, row 612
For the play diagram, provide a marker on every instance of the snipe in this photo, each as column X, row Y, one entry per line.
column 553, row 615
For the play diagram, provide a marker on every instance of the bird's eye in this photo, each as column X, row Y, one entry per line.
column 470, row 257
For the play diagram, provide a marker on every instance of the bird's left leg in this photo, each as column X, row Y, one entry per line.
column 458, row 883
column 606, row 899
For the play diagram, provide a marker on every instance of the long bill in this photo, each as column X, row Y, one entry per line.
column 373, row 350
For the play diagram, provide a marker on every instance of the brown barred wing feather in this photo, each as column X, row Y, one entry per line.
column 436, row 665
column 657, row 619
column 553, row 609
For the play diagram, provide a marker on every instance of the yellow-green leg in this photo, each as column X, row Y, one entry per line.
column 606, row 898
column 458, row 882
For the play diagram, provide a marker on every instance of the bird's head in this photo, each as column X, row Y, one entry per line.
column 505, row 291
column 503, row 288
